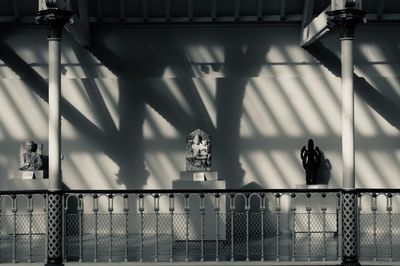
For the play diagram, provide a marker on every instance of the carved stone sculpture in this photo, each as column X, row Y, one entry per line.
column 311, row 159
column 198, row 151
column 31, row 160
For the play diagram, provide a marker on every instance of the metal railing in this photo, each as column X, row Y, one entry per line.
column 379, row 224
column 199, row 225
column 23, row 234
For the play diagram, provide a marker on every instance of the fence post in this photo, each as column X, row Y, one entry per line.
column 350, row 226
column 54, row 228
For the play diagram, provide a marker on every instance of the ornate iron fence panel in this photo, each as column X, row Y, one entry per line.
column 201, row 226
column 23, row 235
column 135, row 226
column 379, row 225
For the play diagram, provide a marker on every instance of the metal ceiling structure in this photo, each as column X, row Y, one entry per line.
column 194, row 11
column 310, row 14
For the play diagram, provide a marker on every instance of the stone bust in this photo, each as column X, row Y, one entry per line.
column 198, row 151
column 31, row 160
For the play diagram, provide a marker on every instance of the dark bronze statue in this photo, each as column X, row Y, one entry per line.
column 311, row 159
column 31, row 159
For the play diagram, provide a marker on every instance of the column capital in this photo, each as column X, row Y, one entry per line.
column 54, row 19
column 346, row 20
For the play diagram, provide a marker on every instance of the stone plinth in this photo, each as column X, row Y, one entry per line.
column 27, row 184
column 29, row 180
column 314, row 186
column 40, row 174
column 199, row 175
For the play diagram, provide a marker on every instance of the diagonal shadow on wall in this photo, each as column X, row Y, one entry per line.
column 86, row 127
column 39, row 86
column 191, row 94
column 167, row 107
column 129, row 143
column 242, row 62
column 126, row 139
column 381, row 104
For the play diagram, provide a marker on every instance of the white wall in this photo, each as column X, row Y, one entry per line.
column 130, row 101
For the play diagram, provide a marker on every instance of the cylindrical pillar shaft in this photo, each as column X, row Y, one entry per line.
column 347, row 20
column 348, row 152
column 349, row 246
column 55, row 200
column 55, row 180
column 54, row 19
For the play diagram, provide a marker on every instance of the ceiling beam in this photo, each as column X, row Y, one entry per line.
column 381, row 6
column 122, row 11
column 282, row 12
column 83, row 10
column 190, row 9
column 260, row 9
column 181, row 20
column 68, row 4
column 144, row 10
column 213, row 10
column 237, row 9
column 167, row 10
column 79, row 32
column 307, row 12
column 99, row 10
column 387, row 18
column 316, row 29
column 79, row 29
column 16, row 10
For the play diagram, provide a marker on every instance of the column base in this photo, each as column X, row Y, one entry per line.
column 54, row 262
column 350, row 261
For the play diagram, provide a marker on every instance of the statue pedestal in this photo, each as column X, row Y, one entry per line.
column 27, row 184
column 314, row 186
column 195, row 215
column 28, row 180
column 31, row 174
column 200, row 175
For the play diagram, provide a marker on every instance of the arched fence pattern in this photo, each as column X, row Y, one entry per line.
column 200, row 225
column 23, row 224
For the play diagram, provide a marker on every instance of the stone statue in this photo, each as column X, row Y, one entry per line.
column 198, row 151
column 31, row 160
column 311, row 159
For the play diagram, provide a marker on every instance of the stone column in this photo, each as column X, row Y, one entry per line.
column 346, row 20
column 54, row 19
